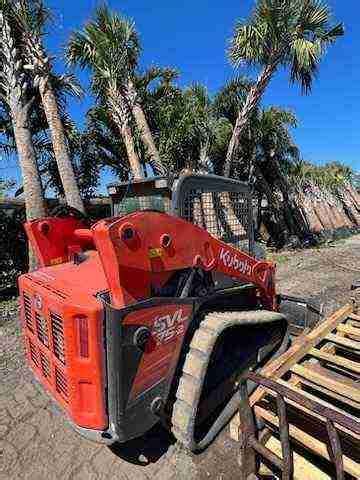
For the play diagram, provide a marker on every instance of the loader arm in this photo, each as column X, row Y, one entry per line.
column 141, row 251
column 144, row 249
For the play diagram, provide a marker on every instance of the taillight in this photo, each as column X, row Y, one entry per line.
column 83, row 337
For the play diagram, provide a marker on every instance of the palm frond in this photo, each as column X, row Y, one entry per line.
column 154, row 73
column 230, row 98
column 313, row 14
column 246, row 45
column 108, row 45
column 331, row 35
column 67, row 85
column 294, row 33
column 32, row 15
column 306, row 56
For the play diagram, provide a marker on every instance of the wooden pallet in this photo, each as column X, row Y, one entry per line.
column 318, row 408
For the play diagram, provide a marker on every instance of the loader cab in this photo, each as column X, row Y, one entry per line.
column 222, row 206
column 149, row 194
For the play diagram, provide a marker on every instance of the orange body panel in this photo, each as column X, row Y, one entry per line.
column 63, row 327
column 55, row 240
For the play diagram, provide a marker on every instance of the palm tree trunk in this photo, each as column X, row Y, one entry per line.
column 133, row 158
column 15, row 92
column 251, row 103
column 147, row 139
column 120, row 113
column 282, row 231
column 308, row 206
column 323, row 214
column 65, row 167
column 34, row 199
column 355, row 196
column 145, row 131
column 352, row 209
column 15, row 89
column 294, row 218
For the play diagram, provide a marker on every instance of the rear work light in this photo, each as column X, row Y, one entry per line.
column 83, row 329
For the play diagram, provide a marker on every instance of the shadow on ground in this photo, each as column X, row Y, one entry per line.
column 146, row 449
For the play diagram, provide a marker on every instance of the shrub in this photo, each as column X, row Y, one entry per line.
column 13, row 248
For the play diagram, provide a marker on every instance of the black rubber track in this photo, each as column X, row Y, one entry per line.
column 194, row 372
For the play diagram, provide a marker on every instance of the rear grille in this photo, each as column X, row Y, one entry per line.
column 61, row 383
column 33, row 354
column 57, row 330
column 45, row 365
column 45, row 339
column 42, row 329
column 27, row 313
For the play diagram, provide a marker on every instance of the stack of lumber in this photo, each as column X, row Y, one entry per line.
column 324, row 367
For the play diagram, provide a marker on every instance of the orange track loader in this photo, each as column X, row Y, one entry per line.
column 151, row 315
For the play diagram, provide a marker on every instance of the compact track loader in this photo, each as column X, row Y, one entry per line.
column 153, row 314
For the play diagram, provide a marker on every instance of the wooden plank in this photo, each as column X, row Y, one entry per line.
column 351, row 331
column 309, row 413
column 352, row 323
column 344, row 342
column 309, row 442
column 335, row 360
column 353, row 316
column 278, row 367
column 329, row 393
column 328, row 382
column 297, row 397
column 303, row 468
column 322, row 402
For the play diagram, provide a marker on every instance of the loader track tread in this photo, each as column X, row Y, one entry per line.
column 195, row 367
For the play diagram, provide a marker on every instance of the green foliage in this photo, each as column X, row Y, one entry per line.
column 331, row 176
column 231, row 98
column 5, row 186
column 292, row 33
column 31, row 15
column 172, row 122
column 273, row 137
column 109, row 46
column 104, row 146
column 188, row 131
column 2, row 188
column 355, row 180
column 13, row 251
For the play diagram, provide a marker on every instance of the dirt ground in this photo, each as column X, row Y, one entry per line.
column 36, row 443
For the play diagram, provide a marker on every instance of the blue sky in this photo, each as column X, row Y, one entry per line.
column 192, row 35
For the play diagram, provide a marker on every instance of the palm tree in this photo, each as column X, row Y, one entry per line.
column 32, row 17
column 109, row 46
column 279, row 33
column 228, row 102
column 84, row 164
column 104, row 145
column 4, row 186
column 324, row 192
column 14, row 91
column 276, row 152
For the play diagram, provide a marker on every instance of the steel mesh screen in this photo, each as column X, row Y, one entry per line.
column 225, row 215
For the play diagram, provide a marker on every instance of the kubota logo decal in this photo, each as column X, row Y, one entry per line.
column 38, row 302
column 233, row 261
column 168, row 327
